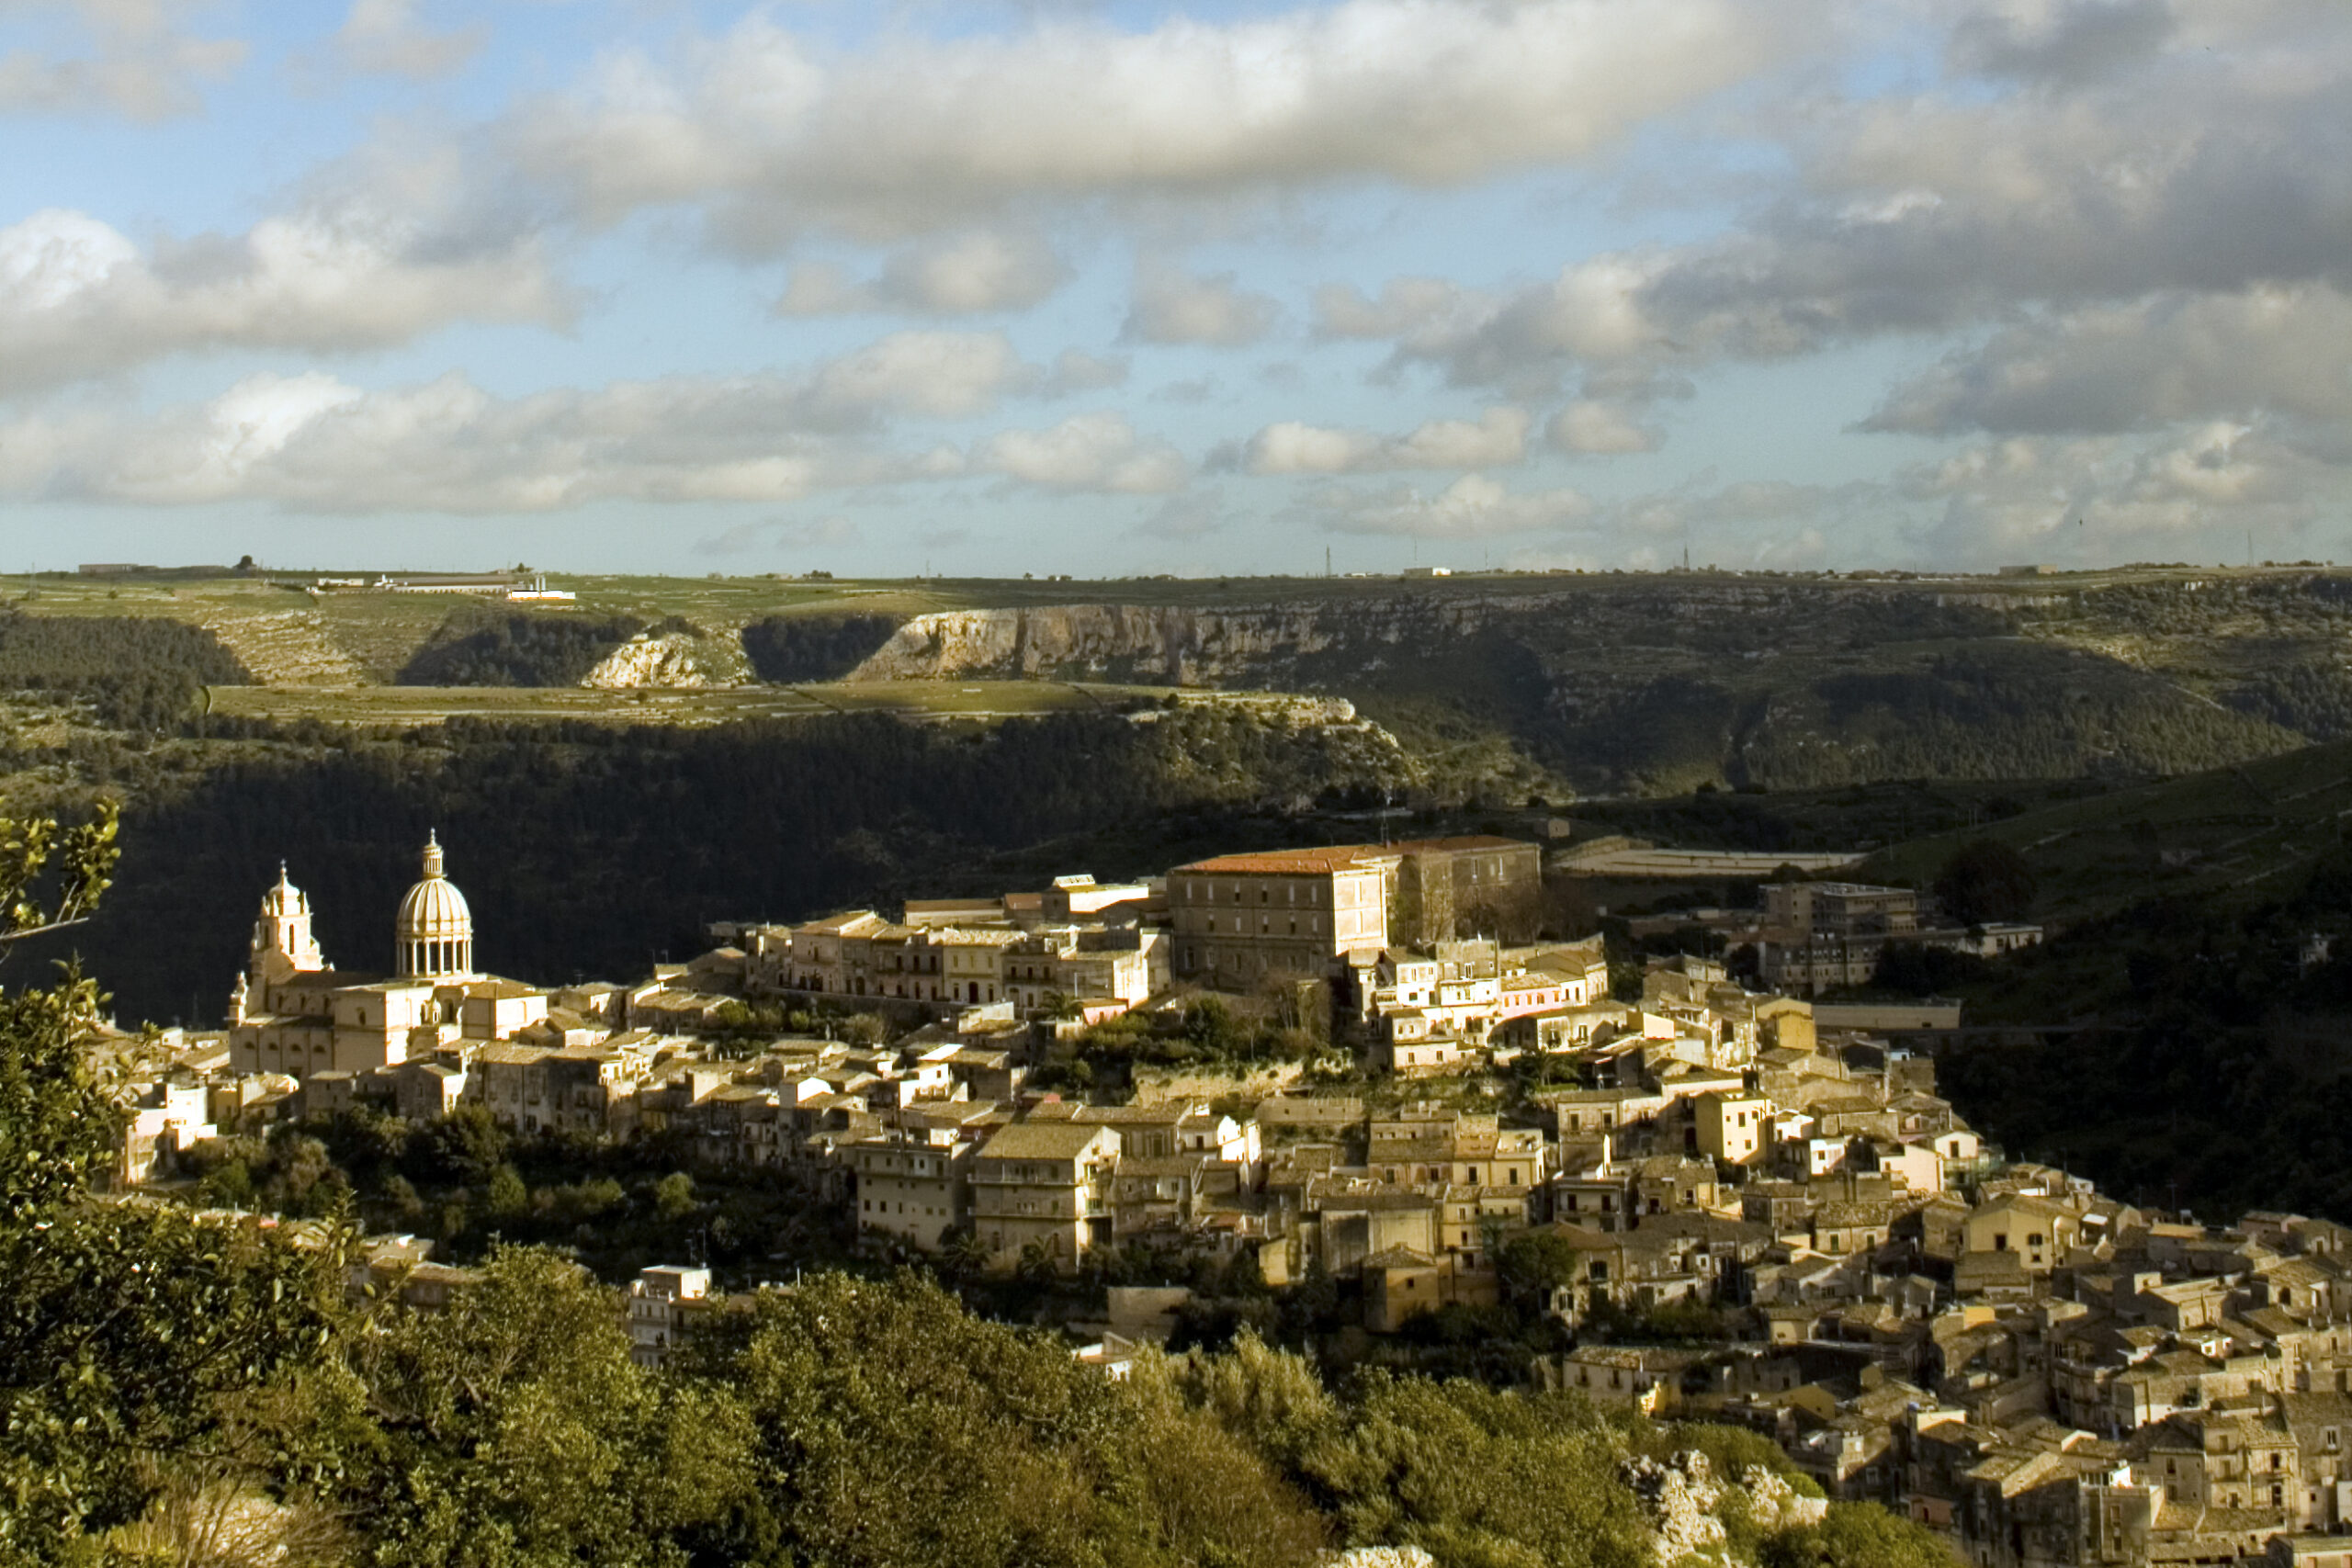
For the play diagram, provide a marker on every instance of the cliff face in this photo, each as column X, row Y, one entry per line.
column 672, row 660
column 1654, row 685
column 1179, row 645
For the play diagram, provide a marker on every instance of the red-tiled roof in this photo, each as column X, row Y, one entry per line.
column 1291, row 863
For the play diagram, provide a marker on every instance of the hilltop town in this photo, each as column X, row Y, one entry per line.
column 1723, row 1200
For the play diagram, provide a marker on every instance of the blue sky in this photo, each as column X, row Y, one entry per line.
column 1127, row 288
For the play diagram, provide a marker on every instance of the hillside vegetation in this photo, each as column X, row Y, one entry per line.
column 592, row 851
column 484, row 648
column 134, row 673
column 2235, row 835
column 2180, row 1051
column 1619, row 684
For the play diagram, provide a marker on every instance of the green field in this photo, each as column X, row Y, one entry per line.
column 404, row 706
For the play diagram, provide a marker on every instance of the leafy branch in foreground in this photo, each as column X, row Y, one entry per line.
column 133, row 1335
column 85, row 856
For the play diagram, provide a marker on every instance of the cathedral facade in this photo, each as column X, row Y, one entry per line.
column 293, row 1013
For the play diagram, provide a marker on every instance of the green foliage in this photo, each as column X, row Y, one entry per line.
column 136, row 672
column 476, row 647
column 673, row 1195
column 858, row 808
column 1478, row 1479
column 1908, row 969
column 791, row 649
column 2313, row 698
column 1985, row 880
column 1532, row 1263
column 515, row 1429
column 1857, row 1535
column 124, row 1327
column 2217, row 1052
column 990, row 1447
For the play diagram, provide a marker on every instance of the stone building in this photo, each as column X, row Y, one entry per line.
column 1239, row 918
column 292, row 1012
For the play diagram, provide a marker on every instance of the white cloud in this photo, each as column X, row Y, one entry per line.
column 945, row 374
column 772, row 131
column 385, row 36
column 1498, row 437
column 2128, row 157
column 1592, row 426
column 1085, row 452
column 83, row 300
column 138, row 59
column 313, row 443
column 1174, row 307
column 967, row 274
column 1075, row 370
column 2196, row 492
column 1471, row 507
column 2169, row 358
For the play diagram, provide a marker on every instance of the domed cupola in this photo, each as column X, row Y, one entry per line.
column 433, row 935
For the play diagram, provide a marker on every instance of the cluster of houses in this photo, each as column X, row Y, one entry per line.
column 1816, row 936
column 1769, row 1185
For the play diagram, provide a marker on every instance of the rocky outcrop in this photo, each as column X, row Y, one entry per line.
column 1678, row 1498
column 670, row 659
column 1684, row 1504
column 1172, row 644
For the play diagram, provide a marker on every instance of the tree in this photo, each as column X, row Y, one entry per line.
column 1533, row 1264
column 129, row 1333
column 673, row 1196
column 1985, row 880
column 961, row 1255
column 1036, row 1265
column 1857, row 1535
column 514, row 1427
column 507, row 1196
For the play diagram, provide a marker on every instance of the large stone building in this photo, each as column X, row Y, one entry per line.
column 1239, row 918
column 293, row 1013
column 1473, row 886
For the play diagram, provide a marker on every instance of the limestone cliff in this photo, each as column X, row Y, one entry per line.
column 672, row 658
column 1175, row 644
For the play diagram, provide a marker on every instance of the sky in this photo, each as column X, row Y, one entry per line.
column 1125, row 288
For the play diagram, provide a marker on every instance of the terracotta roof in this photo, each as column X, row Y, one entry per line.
column 1292, row 863
column 1468, row 841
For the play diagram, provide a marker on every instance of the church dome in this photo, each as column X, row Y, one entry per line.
column 434, row 930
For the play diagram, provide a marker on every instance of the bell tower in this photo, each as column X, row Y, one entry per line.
column 283, row 945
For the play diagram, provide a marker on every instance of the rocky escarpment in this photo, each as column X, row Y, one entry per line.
column 1650, row 685
column 1176, row 645
column 672, row 658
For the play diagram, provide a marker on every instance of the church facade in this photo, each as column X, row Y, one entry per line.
column 293, row 1013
